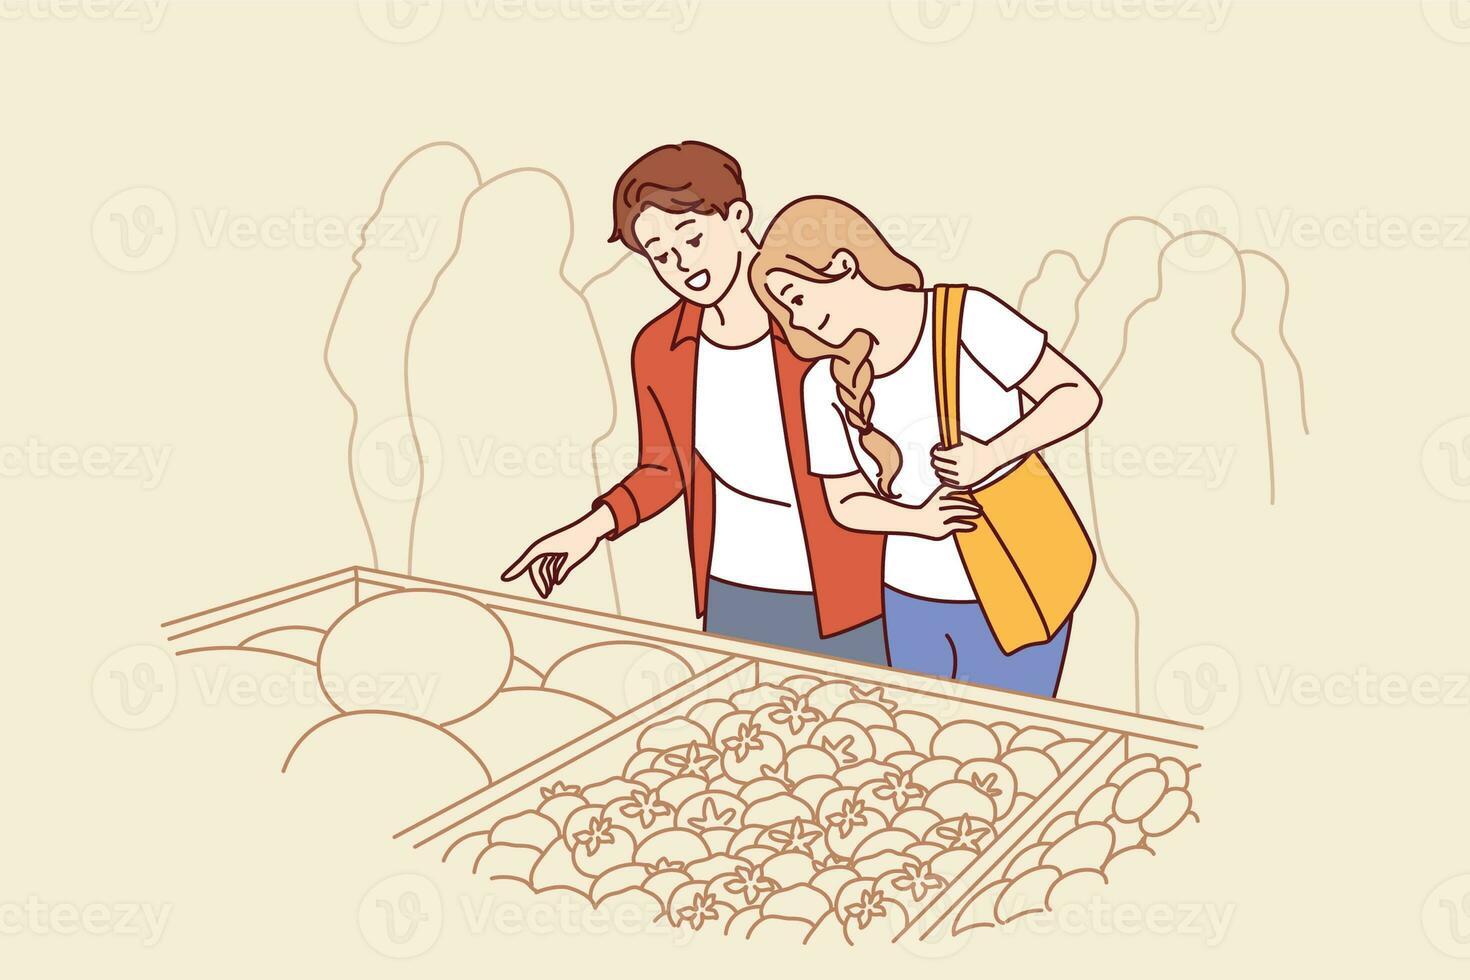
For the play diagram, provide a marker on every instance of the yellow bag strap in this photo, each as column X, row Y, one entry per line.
column 949, row 307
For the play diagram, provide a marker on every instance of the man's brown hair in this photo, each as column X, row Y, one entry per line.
column 678, row 178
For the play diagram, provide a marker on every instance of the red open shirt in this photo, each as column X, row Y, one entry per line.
column 846, row 565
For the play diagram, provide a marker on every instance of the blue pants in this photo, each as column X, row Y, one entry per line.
column 786, row 619
column 952, row 639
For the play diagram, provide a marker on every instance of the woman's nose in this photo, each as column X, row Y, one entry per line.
column 679, row 261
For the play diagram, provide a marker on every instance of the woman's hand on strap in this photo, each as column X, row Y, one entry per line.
column 967, row 464
column 946, row 512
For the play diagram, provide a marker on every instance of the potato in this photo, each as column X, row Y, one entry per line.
column 457, row 650
column 1140, row 794
column 1034, row 738
column 918, row 727
column 780, row 809
column 807, row 761
column 556, row 869
column 1167, row 814
column 1026, row 894
column 963, row 740
column 1085, row 847
column 1099, row 805
column 676, row 845
column 1026, row 859
column 865, row 713
column 1175, row 772
column 1034, row 770
column 1059, row 826
column 953, row 798
column 1067, row 751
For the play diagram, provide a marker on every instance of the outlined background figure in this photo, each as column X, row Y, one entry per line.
column 181, row 433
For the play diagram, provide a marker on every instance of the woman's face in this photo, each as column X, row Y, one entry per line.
column 829, row 310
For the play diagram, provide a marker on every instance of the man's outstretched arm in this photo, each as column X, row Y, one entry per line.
column 655, row 483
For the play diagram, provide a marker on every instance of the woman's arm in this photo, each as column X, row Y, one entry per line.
column 1066, row 401
column 858, row 507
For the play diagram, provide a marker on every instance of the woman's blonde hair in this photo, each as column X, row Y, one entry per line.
column 803, row 240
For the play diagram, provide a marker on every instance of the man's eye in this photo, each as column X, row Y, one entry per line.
column 662, row 258
column 796, row 301
column 694, row 242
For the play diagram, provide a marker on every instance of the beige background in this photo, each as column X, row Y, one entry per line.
column 1333, row 829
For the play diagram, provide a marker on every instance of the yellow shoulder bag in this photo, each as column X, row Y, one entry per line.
column 1028, row 558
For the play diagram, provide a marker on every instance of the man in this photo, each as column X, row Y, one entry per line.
column 720, row 424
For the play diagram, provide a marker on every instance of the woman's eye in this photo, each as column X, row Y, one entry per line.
column 796, row 301
column 661, row 259
column 694, row 242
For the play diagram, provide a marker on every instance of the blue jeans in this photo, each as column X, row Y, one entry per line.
column 786, row 619
column 952, row 639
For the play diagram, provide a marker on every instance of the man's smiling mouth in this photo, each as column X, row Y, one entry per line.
column 699, row 280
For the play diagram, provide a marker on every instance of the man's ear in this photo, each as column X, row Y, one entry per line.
column 741, row 215
column 843, row 264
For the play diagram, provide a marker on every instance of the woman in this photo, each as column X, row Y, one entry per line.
column 842, row 294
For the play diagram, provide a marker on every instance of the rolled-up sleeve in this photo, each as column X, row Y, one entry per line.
column 655, row 482
column 1004, row 343
column 828, row 451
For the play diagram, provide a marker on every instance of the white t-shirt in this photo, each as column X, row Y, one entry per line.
column 1002, row 348
column 738, row 430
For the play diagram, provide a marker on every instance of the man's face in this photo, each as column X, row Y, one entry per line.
column 696, row 255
